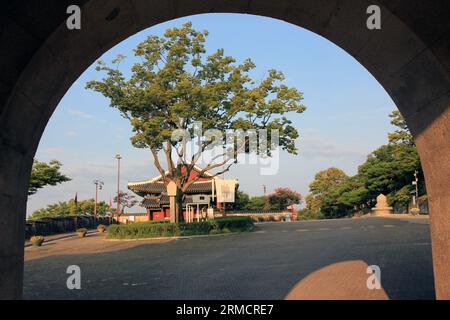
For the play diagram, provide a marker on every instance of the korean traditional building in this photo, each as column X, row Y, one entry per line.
column 203, row 198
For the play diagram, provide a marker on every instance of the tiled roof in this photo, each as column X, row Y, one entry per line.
column 134, row 214
column 159, row 187
column 152, row 202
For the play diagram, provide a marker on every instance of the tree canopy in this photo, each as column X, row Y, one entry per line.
column 44, row 174
column 282, row 198
column 279, row 200
column 324, row 191
column 390, row 169
column 177, row 84
column 127, row 200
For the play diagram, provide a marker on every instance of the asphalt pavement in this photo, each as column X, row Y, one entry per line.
column 306, row 259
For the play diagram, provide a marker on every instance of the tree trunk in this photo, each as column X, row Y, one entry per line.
column 179, row 206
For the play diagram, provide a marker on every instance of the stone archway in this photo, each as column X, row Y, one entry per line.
column 41, row 58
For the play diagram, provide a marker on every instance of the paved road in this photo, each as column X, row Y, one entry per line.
column 269, row 263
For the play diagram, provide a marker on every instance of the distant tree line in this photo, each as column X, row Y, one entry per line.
column 70, row 208
column 388, row 170
column 280, row 199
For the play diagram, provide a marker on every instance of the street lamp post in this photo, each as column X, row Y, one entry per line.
column 416, row 184
column 98, row 186
column 118, row 157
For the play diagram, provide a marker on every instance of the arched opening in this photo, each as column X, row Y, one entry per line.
column 411, row 70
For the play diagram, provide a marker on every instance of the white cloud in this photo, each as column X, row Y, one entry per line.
column 313, row 143
column 72, row 134
column 79, row 114
column 50, row 152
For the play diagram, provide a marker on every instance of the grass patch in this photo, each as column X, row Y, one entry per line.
column 150, row 229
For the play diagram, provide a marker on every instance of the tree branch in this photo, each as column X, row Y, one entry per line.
column 158, row 164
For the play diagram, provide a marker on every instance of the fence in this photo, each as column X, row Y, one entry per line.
column 49, row 226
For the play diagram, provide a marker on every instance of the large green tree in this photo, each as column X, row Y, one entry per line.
column 323, row 195
column 176, row 84
column 402, row 135
column 325, row 180
column 390, row 169
column 44, row 174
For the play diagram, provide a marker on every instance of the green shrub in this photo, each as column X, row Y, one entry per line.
column 37, row 240
column 235, row 224
column 226, row 230
column 152, row 230
column 81, row 232
column 305, row 214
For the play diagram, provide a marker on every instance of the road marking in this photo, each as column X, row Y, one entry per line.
column 422, row 244
column 139, row 284
column 388, row 226
column 261, row 231
column 323, row 229
column 284, row 231
column 346, row 228
column 302, row 230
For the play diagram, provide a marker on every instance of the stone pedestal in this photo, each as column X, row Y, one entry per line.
column 381, row 208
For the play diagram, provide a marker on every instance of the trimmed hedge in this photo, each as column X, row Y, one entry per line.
column 151, row 230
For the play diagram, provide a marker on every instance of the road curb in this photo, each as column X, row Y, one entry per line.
column 179, row 237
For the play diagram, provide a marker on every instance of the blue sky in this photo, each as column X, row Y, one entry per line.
column 346, row 116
